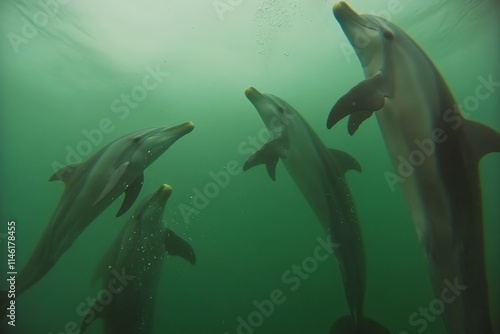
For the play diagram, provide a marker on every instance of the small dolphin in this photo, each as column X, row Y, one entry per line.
column 90, row 187
column 319, row 174
column 418, row 114
column 137, row 254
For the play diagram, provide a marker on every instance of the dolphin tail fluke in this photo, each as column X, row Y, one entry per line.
column 345, row 325
column 175, row 245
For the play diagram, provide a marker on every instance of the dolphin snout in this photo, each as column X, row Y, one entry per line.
column 188, row 126
column 165, row 189
column 254, row 95
column 178, row 131
column 251, row 92
column 342, row 11
column 162, row 194
column 339, row 5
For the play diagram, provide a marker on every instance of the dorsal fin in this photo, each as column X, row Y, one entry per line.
column 482, row 139
column 345, row 161
column 64, row 173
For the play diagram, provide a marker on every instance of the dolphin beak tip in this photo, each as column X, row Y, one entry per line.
column 342, row 9
column 165, row 189
column 186, row 128
column 337, row 6
column 250, row 91
column 190, row 126
column 253, row 94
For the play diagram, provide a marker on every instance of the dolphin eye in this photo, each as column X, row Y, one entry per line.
column 281, row 110
column 136, row 139
column 388, row 35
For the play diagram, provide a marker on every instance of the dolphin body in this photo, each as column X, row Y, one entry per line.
column 319, row 174
column 90, row 187
column 138, row 254
column 418, row 114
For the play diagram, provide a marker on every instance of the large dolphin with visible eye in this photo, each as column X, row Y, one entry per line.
column 319, row 172
column 137, row 254
column 90, row 187
column 421, row 122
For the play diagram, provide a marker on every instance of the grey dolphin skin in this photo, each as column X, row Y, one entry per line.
column 319, row 173
column 90, row 187
column 417, row 112
column 131, row 269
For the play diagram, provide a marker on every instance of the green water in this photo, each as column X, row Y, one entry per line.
column 68, row 76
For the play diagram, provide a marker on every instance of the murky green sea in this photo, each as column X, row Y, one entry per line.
column 76, row 75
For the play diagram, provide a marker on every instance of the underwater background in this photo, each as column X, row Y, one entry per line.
column 65, row 69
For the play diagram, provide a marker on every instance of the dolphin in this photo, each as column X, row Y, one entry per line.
column 319, row 173
column 130, row 270
column 90, row 187
column 422, row 123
